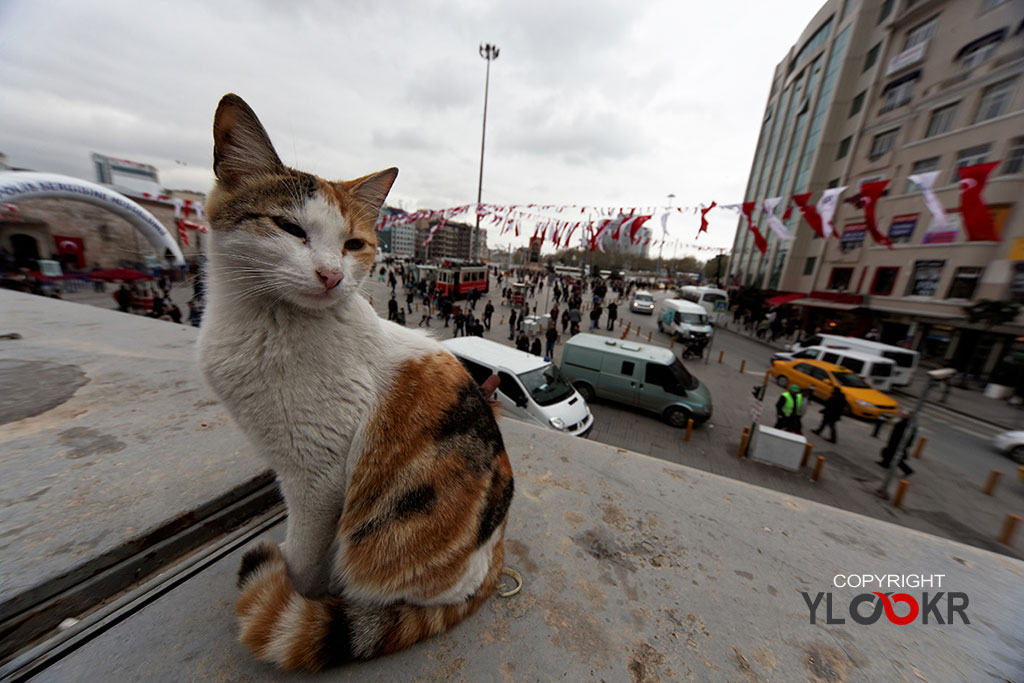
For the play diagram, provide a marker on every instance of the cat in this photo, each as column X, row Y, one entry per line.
column 389, row 457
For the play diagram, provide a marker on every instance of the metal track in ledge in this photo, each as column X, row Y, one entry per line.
column 35, row 661
column 27, row 638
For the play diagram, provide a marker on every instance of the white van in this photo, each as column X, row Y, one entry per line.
column 906, row 359
column 532, row 389
column 683, row 319
column 878, row 372
column 714, row 301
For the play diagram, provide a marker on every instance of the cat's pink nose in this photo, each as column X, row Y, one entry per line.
column 330, row 278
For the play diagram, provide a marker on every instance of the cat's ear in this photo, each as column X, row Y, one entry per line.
column 241, row 146
column 372, row 189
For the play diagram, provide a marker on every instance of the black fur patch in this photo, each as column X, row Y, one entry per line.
column 499, row 498
column 252, row 560
column 420, row 499
column 337, row 644
column 470, row 416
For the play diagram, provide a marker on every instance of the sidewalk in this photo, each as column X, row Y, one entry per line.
column 968, row 402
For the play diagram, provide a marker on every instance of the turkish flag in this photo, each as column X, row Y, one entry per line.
column 70, row 248
column 182, row 232
column 809, row 213
column 635, row 227
column 759, row 240
column 869, row 194
column 704, row 220
column 977, row 220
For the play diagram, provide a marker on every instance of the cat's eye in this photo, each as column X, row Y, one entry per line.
column 289, row 227
column 354, row 244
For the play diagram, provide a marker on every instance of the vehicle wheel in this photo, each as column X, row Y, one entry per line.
column 782, row 381
column 586, row 391
column 677, row 417
column 1016, row 454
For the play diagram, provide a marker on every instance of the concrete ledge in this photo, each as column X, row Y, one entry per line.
column 635, row 569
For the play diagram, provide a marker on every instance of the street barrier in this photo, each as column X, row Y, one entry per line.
column 1009, row 528
column 901, row 491
column 743, row 365
column 817, row 468
column 990, row 483
column 689, row 429
column 743, row 443
column 807, row 455
column 920, row 446
column 721, row 354
column 649, row 337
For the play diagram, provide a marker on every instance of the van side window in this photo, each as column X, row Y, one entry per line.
column 627, row 368
column 831, row 358
column 510, row 387
column 807, row 353
column 477, row 371
column 853, row 364
column 662, row 376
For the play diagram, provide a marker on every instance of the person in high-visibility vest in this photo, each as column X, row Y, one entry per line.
column 788, row 408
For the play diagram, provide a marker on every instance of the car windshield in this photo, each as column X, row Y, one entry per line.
column 850, row 379
column 546, row 385
column 686, row 380
column 692, row 318
column 644, row 298
column 711, row 297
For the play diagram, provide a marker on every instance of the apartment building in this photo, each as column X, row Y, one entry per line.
column 918, row 86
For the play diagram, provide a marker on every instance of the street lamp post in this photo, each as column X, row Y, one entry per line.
column 488, row 52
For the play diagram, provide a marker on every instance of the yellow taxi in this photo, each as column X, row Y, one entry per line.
column 820, row 377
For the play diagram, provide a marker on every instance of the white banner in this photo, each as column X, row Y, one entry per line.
column 774, row 223
column 925, row 181
column 827, row 208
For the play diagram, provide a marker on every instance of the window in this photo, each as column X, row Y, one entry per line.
column 1014, row 157
column 830, row 358
column 994, row 100
column 942, row 120
column 965, row 279
column 853, row 364
column 510, row 387
column 883, row 144
column 844, row 147
column 819, row 374
column 809, row 264
column 627, row 368
column 902, row 227
column 922, row 33
column 872, row 56
column 978, row 54
column 857, row 103
column 925, row 278
column 840, row 278
column 852, row 237
column 886, row 9
column 969, row 157
column 884, row 280
column 898, row 93
column 662, row 376
column 477, row 371
column 809, row 354
column 922, row 166
column 803, row 368
column 833, row 183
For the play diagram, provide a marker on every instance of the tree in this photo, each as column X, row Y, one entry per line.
column 992, row 313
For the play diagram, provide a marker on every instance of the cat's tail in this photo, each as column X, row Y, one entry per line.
column 280, row 626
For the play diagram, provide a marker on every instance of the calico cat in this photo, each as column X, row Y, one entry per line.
column 389, row 457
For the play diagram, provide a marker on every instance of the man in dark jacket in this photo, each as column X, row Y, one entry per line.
column 899, row 430
column 522, row 342
column 551, row 336
column 613, row 313
column 488, row 312
column 832, row 412
column 392, row 308
column 512, row 324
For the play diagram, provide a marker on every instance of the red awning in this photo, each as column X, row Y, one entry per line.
column 119, row 274
column 783, row 299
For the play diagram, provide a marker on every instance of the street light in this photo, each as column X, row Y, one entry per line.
column 488, row 52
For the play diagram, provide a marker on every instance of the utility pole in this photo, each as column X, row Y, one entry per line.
column 488, row 52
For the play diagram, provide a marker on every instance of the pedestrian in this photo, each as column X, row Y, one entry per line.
column 832, row 412
column 488, row 312
column 551, row 336
column 788, row 407
column 474, row 296
column 522, row 343
column 460, row 322
column 124, row 299
column 392, row 308
column 895, row 439
column 535, row 347
column 574, row 315
column 595, row 316
column 512, row 325
column 445, row 306
column 408, row 299
column 613, row 314
column 565, row 320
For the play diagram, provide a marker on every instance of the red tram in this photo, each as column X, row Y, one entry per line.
column 457, row 281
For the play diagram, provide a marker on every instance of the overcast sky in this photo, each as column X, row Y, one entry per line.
column 591, row 102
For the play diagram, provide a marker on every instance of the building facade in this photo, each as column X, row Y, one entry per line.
column 451, row 241
column 907, row 87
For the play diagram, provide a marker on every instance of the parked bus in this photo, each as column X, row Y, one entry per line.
column 714, row 301
column 458, row 281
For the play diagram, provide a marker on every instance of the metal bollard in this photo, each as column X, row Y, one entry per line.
column 743, row 365
column 638, row 330
column 672, row 343
column 807, row 455
column 817, row 468
column 901, row 491
column 689, row 429
column 1009, row 528
column 743, row 443
column 721, row 354
column 920, row 446
column 990, row 483
column 649, row 335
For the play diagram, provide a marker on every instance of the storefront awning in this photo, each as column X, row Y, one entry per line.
column 782, row 299
column 825, row 303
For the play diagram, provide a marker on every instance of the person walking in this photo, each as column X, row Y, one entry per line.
column 460, row 322
column 551, row 336
column 124, row 299
column 488, row 312
column 392, row 308
column 535, row 346
column 595, row 316
column 522, row 342
column 613, row 314
column 512, row 325
column 832, row 413
column 895, row 439
column 787, row 408
column 408, row 299
column 565, row 320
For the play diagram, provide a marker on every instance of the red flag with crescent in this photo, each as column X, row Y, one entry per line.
column 759, row 240
column 704, row 220
column 977, row 219
column 869, row 194
column 809, row 213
